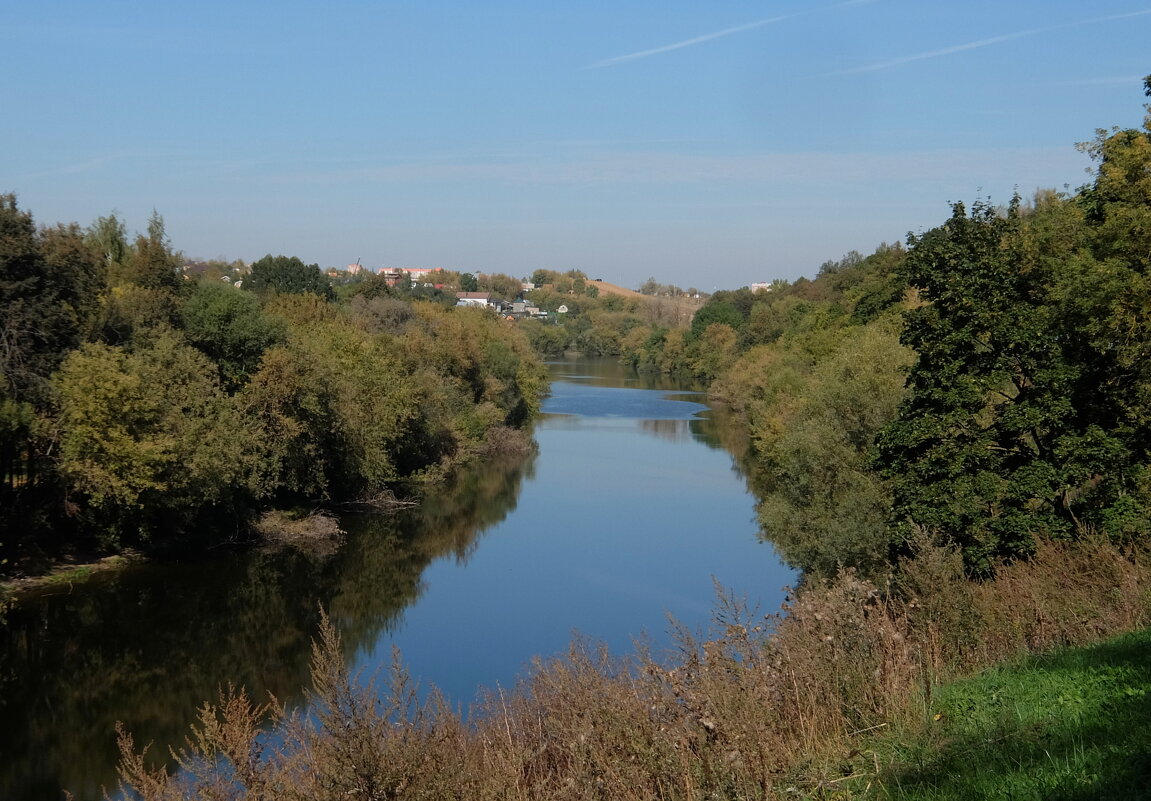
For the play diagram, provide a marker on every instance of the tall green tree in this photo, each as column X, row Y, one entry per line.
column 108, row 237
column 151, row 263
column 288, row 275
column 148, row 441
column 1020, row 419
column 228, row 326
column 823, row 503
column 50, row 284
column 972, row 455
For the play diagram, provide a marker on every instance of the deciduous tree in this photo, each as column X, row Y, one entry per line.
column 288, row 275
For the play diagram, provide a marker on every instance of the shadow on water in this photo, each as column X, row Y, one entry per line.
column 149, row 644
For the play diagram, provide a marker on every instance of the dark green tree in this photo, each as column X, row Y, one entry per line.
column 716, row 310
column 967, row 454
column 288, row 275
column 50, row 284
column 151, row 263
column 228, row 325
column 1015, row 423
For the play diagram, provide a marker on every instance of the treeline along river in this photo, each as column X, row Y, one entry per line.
column 629, row 512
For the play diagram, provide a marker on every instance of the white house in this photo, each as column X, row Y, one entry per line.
column 480, row 299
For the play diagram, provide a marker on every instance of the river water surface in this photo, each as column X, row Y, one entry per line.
column 630, row 512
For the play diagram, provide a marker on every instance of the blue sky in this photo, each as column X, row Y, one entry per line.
column 706, row 144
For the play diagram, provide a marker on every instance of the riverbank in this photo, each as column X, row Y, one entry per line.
column 314, row 530
column 1072, row 723
column 67, row 574
column 775, row 707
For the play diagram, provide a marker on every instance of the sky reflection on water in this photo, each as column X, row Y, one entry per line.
column 629, row 517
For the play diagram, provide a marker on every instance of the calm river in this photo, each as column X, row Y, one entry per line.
column 628, row 513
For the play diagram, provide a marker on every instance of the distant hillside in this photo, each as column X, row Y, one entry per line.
column 615, row 289
column 671, row 311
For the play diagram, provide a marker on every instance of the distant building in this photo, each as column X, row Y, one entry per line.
column 417, row 275
column 761, row 286
column 391, row 277
column 422, row 273
column 480, row 299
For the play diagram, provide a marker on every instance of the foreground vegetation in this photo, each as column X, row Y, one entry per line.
column 767, row 707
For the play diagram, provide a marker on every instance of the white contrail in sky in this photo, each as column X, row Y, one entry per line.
column 707, row 37
column 895, row 62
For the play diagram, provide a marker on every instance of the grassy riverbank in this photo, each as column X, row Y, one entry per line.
column 1073, row 724
column 792, row 706
column 66, row 573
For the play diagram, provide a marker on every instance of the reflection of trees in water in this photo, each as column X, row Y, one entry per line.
column 722, row 429
column 670, row 430
column 379, row 568
column 145, row 646
column 610, row 372
column 148, row 645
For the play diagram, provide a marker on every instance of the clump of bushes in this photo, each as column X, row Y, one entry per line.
column 314, row 532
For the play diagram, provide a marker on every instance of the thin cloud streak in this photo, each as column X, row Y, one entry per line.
column 707, row 37
column 896, row 62
column 719, row 35
column 91, row 165
column 611, row 62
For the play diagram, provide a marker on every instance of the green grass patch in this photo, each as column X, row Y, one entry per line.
column 1075, row 724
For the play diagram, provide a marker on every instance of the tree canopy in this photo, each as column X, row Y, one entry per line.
column 288, row 275
column 137, row 405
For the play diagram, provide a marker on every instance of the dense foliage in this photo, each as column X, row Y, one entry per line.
column 1026, row 412
column 138, row 404
column 288, row 275
column 986, row 385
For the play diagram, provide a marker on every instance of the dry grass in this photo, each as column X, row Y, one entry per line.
column 770, row 707
column 317, row 533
